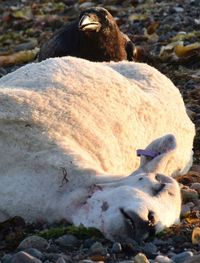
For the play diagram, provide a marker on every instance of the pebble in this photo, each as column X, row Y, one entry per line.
column 171, row 254
column 185, row 209
column 189, row 195
column 55, row 256
column 67, row 241
column 6, row 258
column 190, row 204
column 141, row 258
column 61, row 260
column 98, row 248
column 86, row 5
column 35, row 253
column 163, row 259
column 191, row 113
column 52, row 248
column 33, row 242
column 194, row 2
column 196, row 186
column 87, row 261
column 181, row 257
column 116, row 248
column 196, row 236
column 178, row 9
column 160, row 242
column 194, row 259
column 150, row 250
column 23, row 257
column 197, row 205
column 197, row 21
column 88, row 242
column 127, row 261
column 26, row 46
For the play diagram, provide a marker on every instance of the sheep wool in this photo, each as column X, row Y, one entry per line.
column 67, row 123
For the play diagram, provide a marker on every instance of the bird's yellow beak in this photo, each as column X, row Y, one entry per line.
column 89, row 22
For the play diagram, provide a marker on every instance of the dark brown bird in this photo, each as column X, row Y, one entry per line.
column 94, row 36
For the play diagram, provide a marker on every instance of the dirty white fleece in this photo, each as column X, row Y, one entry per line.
column 88, row 118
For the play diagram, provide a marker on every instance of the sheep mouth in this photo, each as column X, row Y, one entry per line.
column 138, row 228
column 128, row 219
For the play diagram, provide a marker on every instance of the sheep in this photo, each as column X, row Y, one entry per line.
column 69, row 131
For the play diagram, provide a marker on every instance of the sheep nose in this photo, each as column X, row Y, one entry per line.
column 137, row 227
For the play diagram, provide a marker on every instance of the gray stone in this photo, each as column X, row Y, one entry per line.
column 196, row 186
column 66, row 258
column 116, row 248
column 55, row 256
column 197, row 21
column 35, row 253
column 163, row 259
column 197, row 205
column 196, row 236
column 67, row 241
column 33, row 242
column 181, row 257
column 98, row 248
column 189, row 195
column 52, row 248
column 88, row 243
column 178, row 9
column 194, row 259
column 171, row 254
column 185, row 209
column 149, row 249
column 160, row 242
column 6, row 258
column 61, row 260
column 141, row 258
column 86, row 5
column 26, row 46
column 23, row 257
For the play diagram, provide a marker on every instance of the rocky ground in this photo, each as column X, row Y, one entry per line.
column 167, row 36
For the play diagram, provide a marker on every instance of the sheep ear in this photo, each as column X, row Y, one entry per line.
column 158, row 154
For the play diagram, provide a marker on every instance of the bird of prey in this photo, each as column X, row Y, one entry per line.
column 94, row 36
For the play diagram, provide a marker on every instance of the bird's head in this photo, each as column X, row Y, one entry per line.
column 96, row 19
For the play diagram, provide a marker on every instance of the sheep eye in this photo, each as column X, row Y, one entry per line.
column 157, row 189
column 140, row 179
column 157, row 177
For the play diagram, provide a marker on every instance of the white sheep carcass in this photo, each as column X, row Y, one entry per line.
column 69, row 131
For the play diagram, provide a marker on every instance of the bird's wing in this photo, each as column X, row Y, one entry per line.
column 129, row 47
column 130, row 50
column 64, row 42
